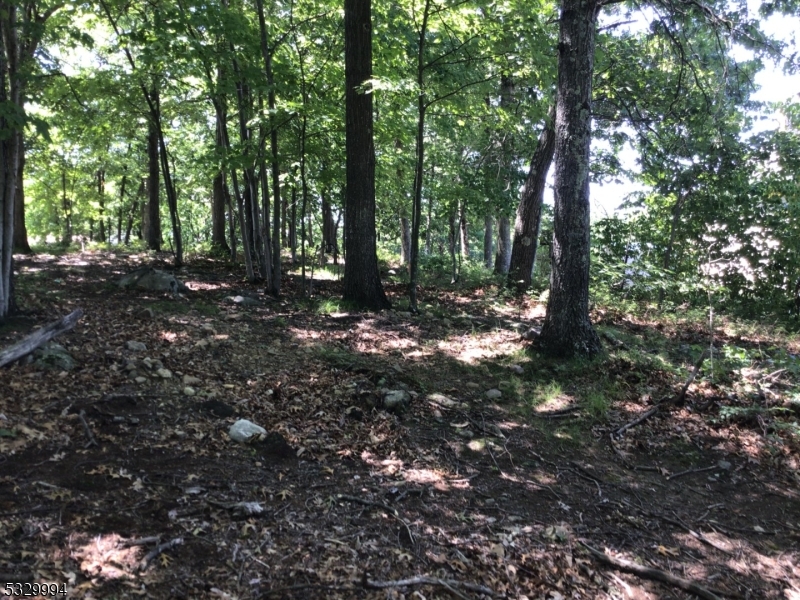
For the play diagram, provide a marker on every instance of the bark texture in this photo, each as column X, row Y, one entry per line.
column 20, row 230
column 362, row 283
column 152, row 220
column 529, row 210
column 488, row 242
column 502, row 259
column 567, row 330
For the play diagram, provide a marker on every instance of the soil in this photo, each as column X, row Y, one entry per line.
column 456, row 496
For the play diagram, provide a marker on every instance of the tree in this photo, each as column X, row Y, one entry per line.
column 567, row 330
column 362, row 282
column 22, row 26
column 529, row 211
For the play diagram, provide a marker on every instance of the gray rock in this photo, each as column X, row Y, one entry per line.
column 493, row 394
column 140, row 379
column 244, row 431
column 243, row 301
column 164, row 373
column 53, row 357
column 442, row 400
column 190, row 380
column 152, row 279
column 135, row 346
column 724, row 465
column 517, row 369
column 189, row 391
column 396, row 401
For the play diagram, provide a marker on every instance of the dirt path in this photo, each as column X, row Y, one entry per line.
column 466, row 491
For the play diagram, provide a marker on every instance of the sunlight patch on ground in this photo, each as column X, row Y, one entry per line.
column 472, row 349
column 106, row 556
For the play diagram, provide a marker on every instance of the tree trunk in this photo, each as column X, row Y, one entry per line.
column 488, row 243
column 101, row 202
column 502, row 259
column 218, row 241
column 452, row 241
column 567, row 330
column 405, row 240
column 152, row 221
column 293, row 225
column 328, row 226
column 21, row 245
column 362, row 282
column 463, row 229
column 529, row 210
column 66, row 206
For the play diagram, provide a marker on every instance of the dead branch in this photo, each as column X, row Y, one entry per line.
column 143, row 564
column 92, row 441
column 392, row 511
column 450, row 585
column 690, row 471
column 41, row 336
column 677, row 400
column 653, row 574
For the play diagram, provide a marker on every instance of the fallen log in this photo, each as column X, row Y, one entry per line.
column 39, row 337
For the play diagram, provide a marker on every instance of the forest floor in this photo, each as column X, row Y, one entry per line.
column 464, row 495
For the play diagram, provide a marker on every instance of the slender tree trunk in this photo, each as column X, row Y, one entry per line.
column 488, row 243
column 362, row 282
column 567, row 330
column 419, row 167
column 67, row 208
column 120, row 212
column 405, row 240
column 452, row 242
column 218, row 241
column 529, row 210
column 134, row 209
column 464, row 229
column 328, row 225
column 101, row 201
column 293, row 225
column 152, row 225
column 502, row 259
column 20, row 230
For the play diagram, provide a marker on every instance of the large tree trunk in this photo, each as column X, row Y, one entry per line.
column 502, row 259
column 529, row 210
column 20, row 230
column 152, row 220
column 567, row 330
column 362, row 282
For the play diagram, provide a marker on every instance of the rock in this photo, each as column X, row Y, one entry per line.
column 396, row 401
column 140, row 379
column 517, row 369
column 189, row 391
column 243, row 301
column 532, row 334
column 53, row 357
column 135, row 346
column 146, row 314
column 149, row 278
column 404, row 313
column 442, row 400
column 493, row 394
column 164, row 373
column 190, row 380
column 244, row 431
column 392, row 272
column 724, row 465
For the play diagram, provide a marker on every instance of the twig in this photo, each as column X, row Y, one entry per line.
column 449, row 584
column 39, row 337
column 677, row 400
column 92, row 441
column 392, row 511
column 690, row 471
column 653, row 574
column 158, row 550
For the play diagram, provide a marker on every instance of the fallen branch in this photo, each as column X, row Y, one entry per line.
column 392, row 511
column 653, row 574
column 677, row 400
column 690, row 471
column 41, row 336
column 92, row 441
column 450, row 585
column 143, row 564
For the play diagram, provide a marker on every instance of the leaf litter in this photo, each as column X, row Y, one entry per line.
column 449, row 494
